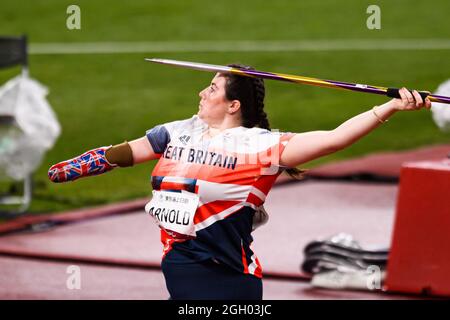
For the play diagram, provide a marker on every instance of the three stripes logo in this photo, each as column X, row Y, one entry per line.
column 184, row 139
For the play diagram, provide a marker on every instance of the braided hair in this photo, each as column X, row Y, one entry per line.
column 251, row 93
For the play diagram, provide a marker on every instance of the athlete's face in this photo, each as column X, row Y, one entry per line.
column 214, row 105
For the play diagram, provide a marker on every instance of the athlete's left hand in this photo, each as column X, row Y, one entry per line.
column 410, row 101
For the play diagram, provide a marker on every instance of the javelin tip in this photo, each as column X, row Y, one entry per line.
column 154, row 60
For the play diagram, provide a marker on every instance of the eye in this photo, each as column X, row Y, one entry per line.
column 211, row 88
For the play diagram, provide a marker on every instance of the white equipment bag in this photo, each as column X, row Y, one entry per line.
column 441, row 111
column 34, row 128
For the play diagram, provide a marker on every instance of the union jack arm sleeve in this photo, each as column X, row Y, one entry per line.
column 90, row 163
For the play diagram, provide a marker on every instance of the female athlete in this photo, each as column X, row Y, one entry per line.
column 213, row 175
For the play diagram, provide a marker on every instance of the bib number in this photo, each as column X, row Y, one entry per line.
column 174, row 211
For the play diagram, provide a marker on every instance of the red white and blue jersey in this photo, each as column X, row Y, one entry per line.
column 231, row 173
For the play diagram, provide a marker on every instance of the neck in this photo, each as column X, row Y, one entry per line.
column 215, row 129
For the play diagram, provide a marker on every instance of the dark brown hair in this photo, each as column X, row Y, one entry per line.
column 251, row 92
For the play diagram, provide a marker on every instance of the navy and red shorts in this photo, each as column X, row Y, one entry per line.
column 209, row 280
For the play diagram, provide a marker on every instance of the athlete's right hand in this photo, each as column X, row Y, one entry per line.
column 90, row 163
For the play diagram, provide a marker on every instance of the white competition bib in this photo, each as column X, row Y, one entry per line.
column 174, row 211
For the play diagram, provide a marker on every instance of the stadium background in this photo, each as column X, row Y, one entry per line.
column 106, row 98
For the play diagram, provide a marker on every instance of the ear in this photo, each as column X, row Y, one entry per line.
column 234, row 107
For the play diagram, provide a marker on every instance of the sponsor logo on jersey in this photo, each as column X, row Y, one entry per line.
column 184, row 139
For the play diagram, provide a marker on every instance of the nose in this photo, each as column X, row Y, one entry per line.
column 201, row 93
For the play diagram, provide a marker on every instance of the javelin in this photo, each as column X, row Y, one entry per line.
column 390, row 92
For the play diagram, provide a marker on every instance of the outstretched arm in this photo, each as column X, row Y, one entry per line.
column 142, row 150
column 103, row 159
column 304, row 147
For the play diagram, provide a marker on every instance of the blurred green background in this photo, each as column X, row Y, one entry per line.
column 103, row 99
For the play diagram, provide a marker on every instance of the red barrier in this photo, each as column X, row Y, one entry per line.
column 419, row 259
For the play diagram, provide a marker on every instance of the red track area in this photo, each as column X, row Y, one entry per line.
column 382, row 165
column 298, row 213
column 119, row 252
column 34, row 279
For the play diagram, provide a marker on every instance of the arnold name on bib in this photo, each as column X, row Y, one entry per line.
column 174, row 211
